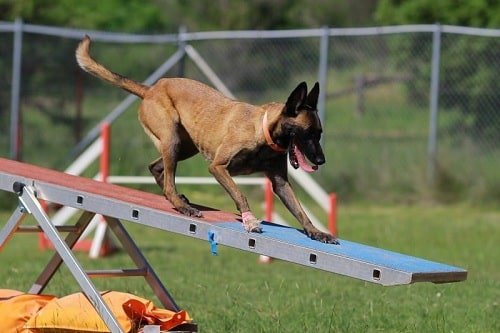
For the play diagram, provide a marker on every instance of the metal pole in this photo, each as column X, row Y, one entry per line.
column 434, row 101
column 269, row 200
column 182, row 44
column 322, row 73
column 15, row 118
column 332, row 215
column 208, row 71
column 30, row 201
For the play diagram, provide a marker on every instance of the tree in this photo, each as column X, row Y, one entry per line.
column 470, row 13
column 163, row 16
column 113, row 15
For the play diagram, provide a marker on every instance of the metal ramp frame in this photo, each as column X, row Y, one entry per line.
column 29, row 204
column 116, row 203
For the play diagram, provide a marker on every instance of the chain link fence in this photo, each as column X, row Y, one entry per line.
column 410, row 112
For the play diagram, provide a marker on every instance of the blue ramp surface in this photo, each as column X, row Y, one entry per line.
column 349, row 258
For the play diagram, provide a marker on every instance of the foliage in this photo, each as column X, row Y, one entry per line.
column 160, row 16
column 114, row 15
column 278, row 14
column 473, row 13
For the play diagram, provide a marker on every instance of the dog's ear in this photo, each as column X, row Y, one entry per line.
column 312, row 98
column 296, row 99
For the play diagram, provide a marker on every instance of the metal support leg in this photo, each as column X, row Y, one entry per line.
column 54, row 264
column 30, row 201
column 136, row 255
column 10, row 227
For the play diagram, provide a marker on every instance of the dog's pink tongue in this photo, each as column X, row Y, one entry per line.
column 302, row 161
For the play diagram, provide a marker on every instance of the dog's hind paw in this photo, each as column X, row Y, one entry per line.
column 190, row 211
column 184, row 198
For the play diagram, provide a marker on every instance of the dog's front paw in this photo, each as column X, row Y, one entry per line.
column 253, row 226
column 251, row 223
column 323, row 237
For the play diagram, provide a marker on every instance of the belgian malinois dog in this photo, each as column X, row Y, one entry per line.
column 183, row 117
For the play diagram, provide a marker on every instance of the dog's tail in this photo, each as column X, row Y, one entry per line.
column 88, row 64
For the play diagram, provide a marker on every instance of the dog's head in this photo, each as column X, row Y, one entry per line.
column 301, row 128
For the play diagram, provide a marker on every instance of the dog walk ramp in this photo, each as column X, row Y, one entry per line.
column 350, row 259
column 116, row 203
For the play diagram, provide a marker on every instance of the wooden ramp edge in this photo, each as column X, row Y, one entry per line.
column 223, row 228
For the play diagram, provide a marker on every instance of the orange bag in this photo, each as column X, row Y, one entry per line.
column 75, row 313
column 167, row 319
column 16, row 308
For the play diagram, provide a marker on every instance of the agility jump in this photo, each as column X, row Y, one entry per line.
column 32, row 183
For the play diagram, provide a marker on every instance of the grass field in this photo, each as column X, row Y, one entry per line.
column 234, row 293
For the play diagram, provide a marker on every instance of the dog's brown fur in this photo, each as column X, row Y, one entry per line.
column 183, row 117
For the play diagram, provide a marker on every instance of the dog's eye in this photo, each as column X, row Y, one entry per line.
column 312, row 133
column 316, row 136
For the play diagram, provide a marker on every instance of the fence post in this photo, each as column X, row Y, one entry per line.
column 323, row 73
column 15, row 110
column 434, row 101
column 182, row 45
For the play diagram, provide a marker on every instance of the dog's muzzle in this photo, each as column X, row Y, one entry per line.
column 297, row 159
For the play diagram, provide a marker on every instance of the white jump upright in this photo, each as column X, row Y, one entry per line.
column 32, row 183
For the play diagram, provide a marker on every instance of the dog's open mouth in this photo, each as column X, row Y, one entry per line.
column 297, row 159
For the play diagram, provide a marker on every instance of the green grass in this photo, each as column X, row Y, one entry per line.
column 234, row 293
